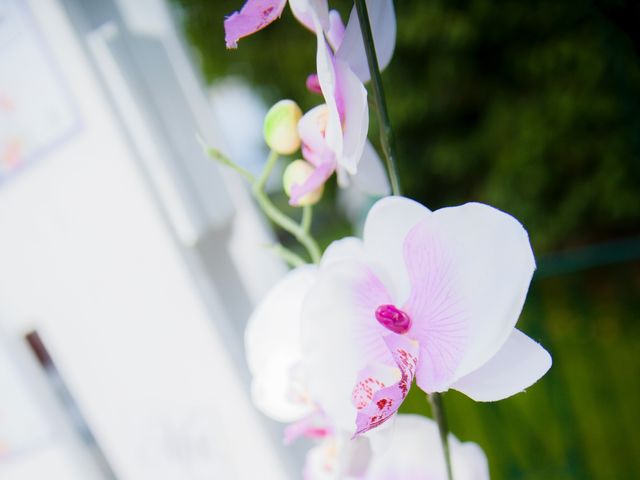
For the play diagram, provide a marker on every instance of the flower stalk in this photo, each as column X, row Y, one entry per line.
column 388, row 146
column 300, row 231
column 386, row 132
column 279, row 218
column 437, row 408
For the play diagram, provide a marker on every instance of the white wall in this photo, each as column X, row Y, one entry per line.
column 88, row 259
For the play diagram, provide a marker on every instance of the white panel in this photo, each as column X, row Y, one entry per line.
column 87, row 259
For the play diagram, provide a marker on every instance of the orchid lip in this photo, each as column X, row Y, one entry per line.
column 394, row 319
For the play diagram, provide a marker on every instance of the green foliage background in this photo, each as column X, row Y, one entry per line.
column 534, row 107
column 531, row 106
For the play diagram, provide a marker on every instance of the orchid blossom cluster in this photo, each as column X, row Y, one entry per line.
column 425, row 299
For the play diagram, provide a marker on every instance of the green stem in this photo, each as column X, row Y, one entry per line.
column 386, row 133
column 437, row 407
column 224, row 160
column 293, row 259
column 279, row 218
column 307, row 217
column 300, row 232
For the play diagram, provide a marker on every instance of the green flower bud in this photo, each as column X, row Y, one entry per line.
column 297, row 173
column 281, row 127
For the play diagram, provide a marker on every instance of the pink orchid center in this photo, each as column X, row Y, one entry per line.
column 394, row 319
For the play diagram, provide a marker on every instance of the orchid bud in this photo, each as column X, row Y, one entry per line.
column 297, row 173
column 281, row 127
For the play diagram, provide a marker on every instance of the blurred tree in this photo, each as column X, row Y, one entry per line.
column 531, row 106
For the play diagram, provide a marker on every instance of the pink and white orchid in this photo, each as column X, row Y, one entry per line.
column 415, row 453
column 258, row 14
column 334, row 135
column 430, row 295
column 273, row 350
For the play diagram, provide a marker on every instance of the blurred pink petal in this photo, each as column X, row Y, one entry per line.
column 319, row 176
column 254, row 16
column 313, row 84
column 314, row 426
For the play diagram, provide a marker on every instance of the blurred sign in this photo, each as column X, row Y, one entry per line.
column 21, row 424
column 36, row 110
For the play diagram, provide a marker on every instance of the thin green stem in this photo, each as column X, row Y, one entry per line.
column 386, row 132
column 292, row 258
column 437, row 407
column 279, row 218
column 220, row 157
column 299, row 231
column 307, row 217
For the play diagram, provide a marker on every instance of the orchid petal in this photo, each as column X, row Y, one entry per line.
column 416, row 453
column 470, row 269
column 382, row 18
column 327, row 79
column 319, row 176
column 340, row 336
column 338, row 457
column 348, row 248
column 385, row 229
column 371, row 177
column 377, row 405
column 313, row 426
column 311, row 128
column 335, row 33
column 351, row 103
column 254, row 16
column 272, row 342
column 518, row 364
column 305, row 10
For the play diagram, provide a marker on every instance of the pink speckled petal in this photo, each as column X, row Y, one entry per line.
column 375, row 402
column 254, row 16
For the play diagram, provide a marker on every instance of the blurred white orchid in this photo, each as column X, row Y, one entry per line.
column 413, row 452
